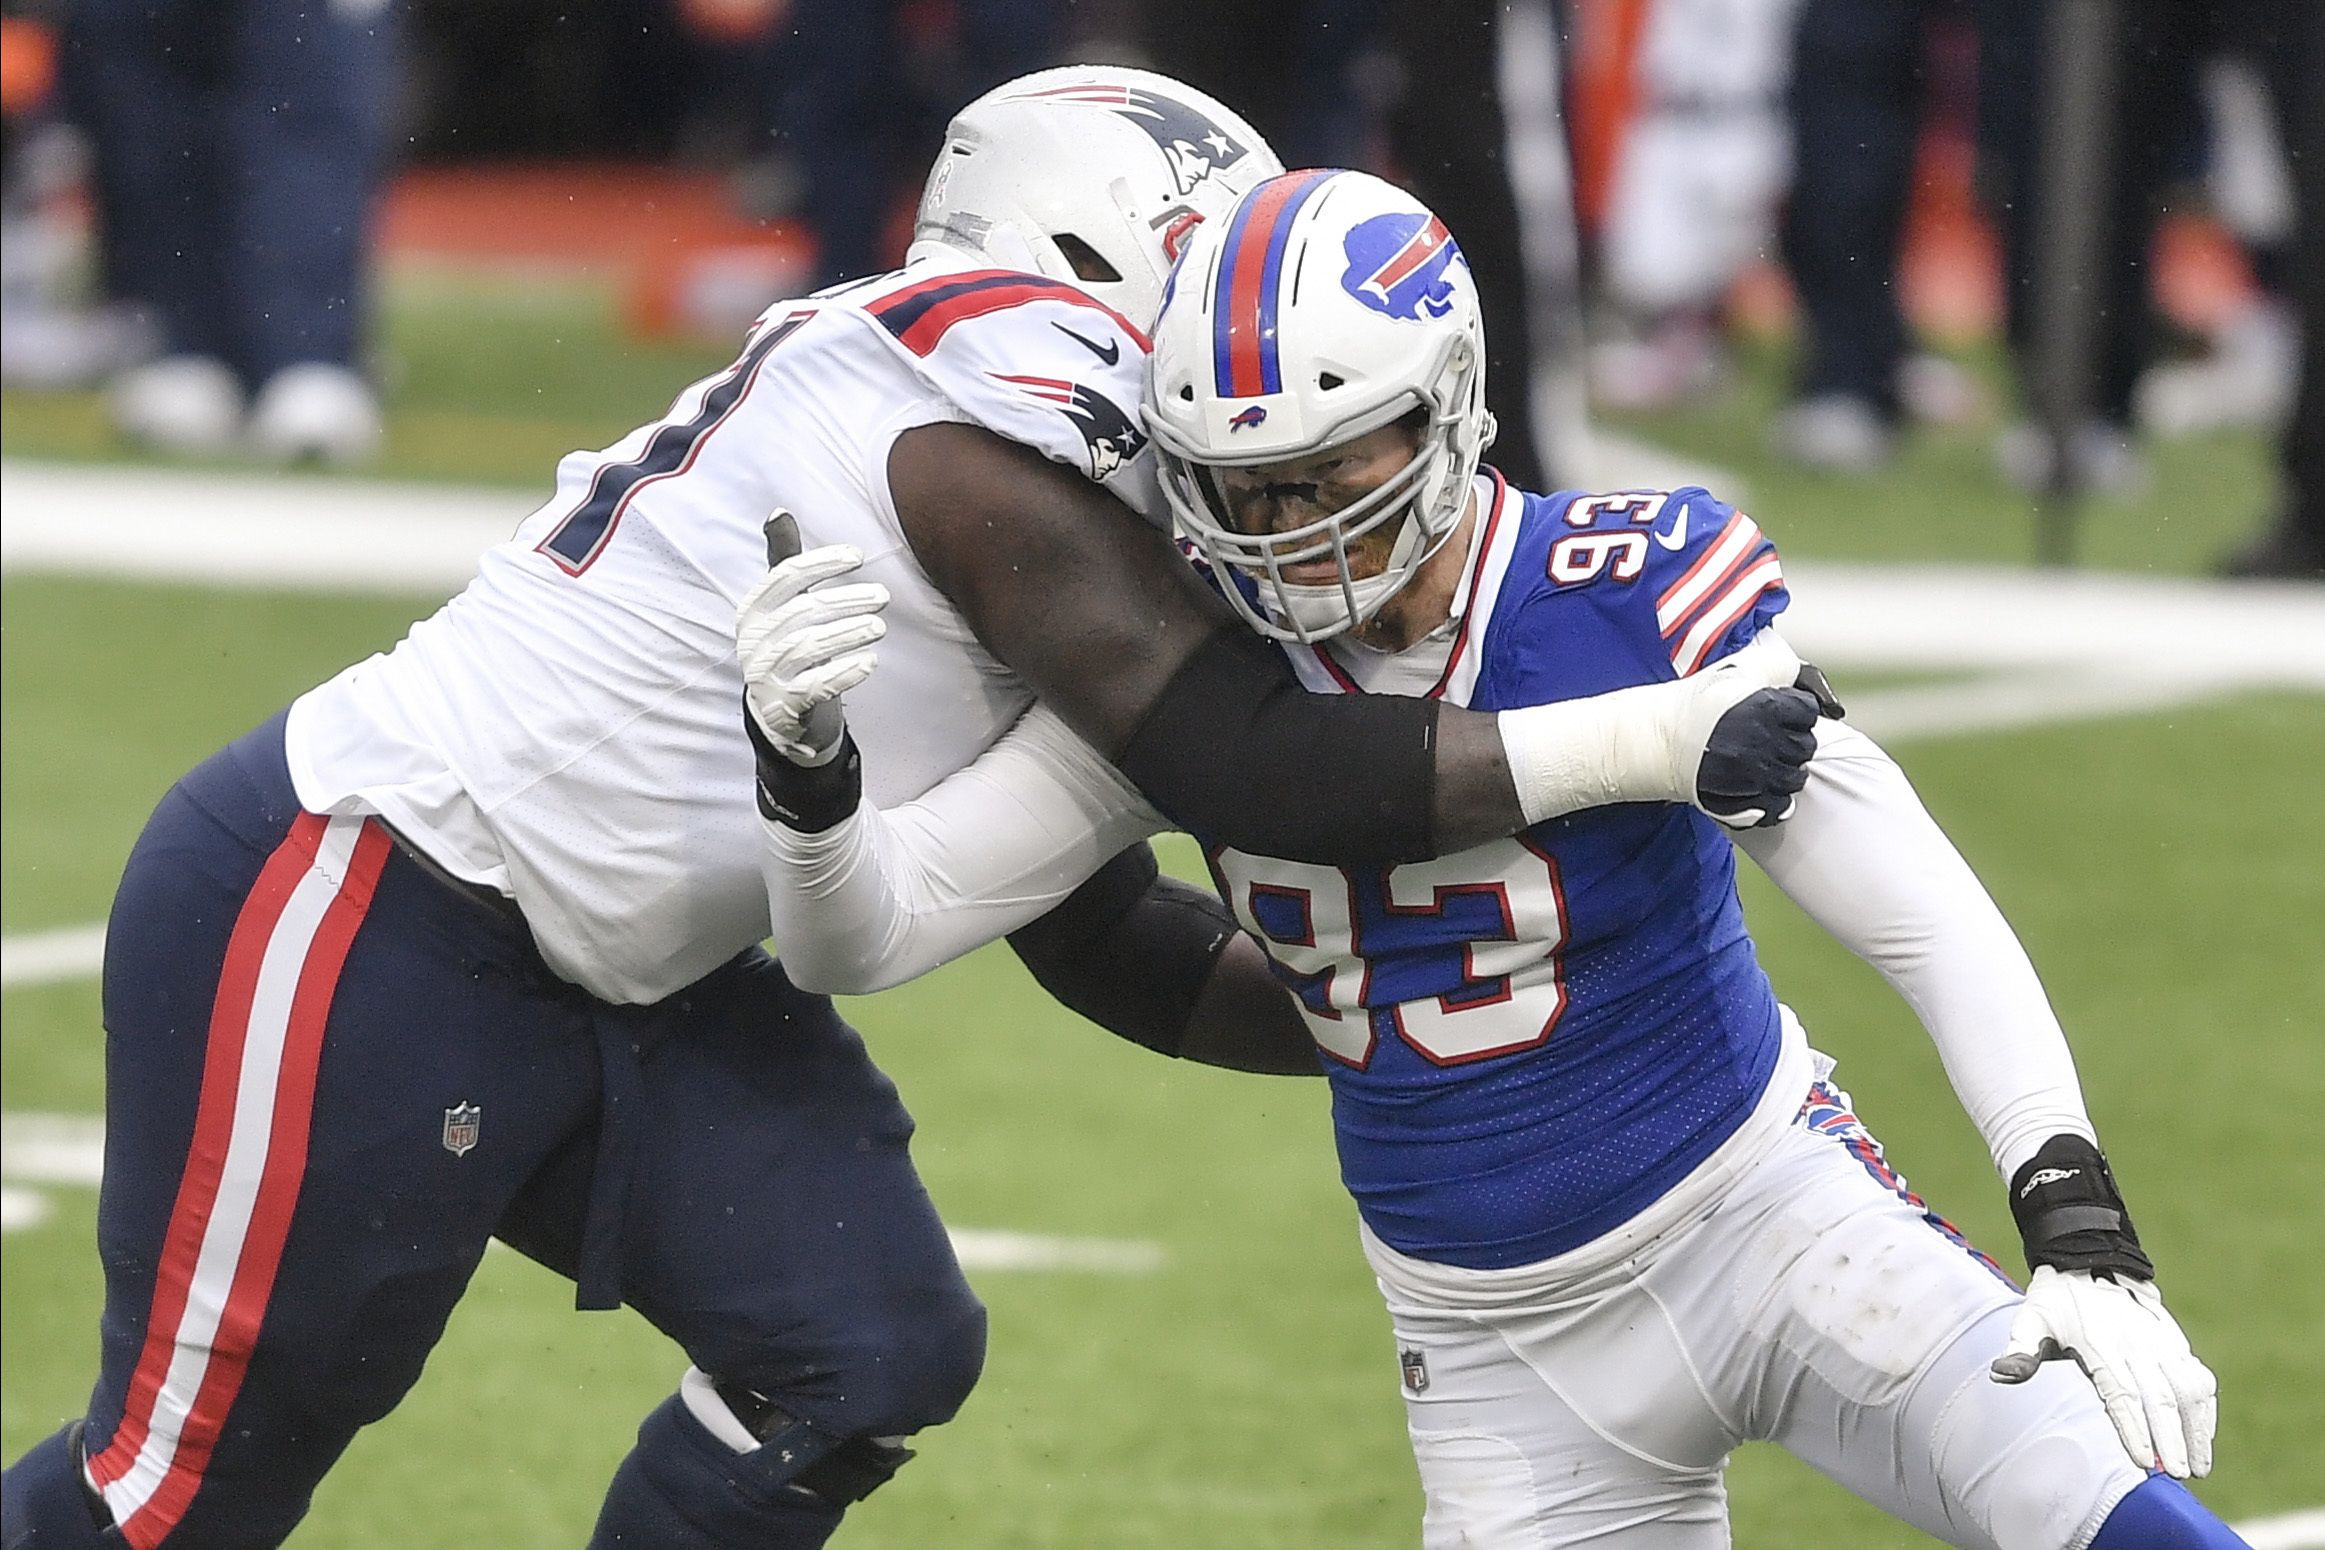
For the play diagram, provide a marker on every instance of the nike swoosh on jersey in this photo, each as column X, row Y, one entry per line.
column 1677, row 537
column 1110, row 352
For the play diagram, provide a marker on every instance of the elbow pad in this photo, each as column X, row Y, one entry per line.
column 1130, row 950
column 1236, row 751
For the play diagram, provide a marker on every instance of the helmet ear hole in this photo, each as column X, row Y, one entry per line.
column 1186, row 392
column 1087, row 262
column 1326, row 381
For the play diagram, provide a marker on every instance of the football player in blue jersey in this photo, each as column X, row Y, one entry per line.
column 1622, row 1216
column 465, row 944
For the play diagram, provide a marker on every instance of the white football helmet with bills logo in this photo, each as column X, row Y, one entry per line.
column 1091, row 174
column 1328, row 305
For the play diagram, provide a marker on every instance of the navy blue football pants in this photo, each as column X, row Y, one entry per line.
column 331, row 1078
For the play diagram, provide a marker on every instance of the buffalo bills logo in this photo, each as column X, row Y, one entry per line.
column 1402, row 265
column 1246, row 418
column 1112, row 436
column 1194, row 146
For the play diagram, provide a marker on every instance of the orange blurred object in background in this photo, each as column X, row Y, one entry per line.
column 28, row 64
column 732, row 21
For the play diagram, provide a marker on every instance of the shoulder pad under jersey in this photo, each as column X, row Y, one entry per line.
column 1679, row 573
column 1028, row 358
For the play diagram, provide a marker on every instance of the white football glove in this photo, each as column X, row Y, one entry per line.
column 2162, row 1400
column 802, row 644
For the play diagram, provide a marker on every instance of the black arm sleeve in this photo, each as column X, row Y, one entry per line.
column 1130, row 949
column 1117, row 634
column 1286, row 790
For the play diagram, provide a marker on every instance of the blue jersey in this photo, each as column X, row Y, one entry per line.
column 1533, row 1040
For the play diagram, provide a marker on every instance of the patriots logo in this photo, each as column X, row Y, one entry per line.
column 1193, row 145
column 1247, row 416
column 1402, row 265
column 1113, row 437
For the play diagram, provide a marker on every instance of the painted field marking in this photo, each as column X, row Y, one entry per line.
column 69, row 1150
column 46, row 957
column 2036, row 647
column 197, row 527
column 21, row 1208
column 995, row 1248
column 2286, row 1531
column 52, row 1149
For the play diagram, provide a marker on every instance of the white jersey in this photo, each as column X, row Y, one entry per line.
column 569, row 728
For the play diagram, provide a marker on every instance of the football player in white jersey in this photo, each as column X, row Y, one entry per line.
column 1621, row 1216
column 464, row 944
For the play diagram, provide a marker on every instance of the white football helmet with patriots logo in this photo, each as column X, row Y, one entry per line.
column 1091, row 174
column 1328, row 305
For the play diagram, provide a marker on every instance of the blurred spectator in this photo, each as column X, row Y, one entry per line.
column 2162, row 51
column 853, row 119
column 238, row 150
column 2251, row 357
column 2293, row 543
column 1308, row 74
column 1679, row 178
column 1451, row 137
column 1298, row 70
column 1856, row 97
column 49, row 336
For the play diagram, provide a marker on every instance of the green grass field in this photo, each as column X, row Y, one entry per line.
column 2163, row 869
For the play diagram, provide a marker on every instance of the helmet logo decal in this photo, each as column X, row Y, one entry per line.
column 1251, row 266
column 1113, row 437
column 1194, row 146
column 1250, row 414
column 1401, row 265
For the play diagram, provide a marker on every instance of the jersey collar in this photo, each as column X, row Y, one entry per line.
column 1473, row 601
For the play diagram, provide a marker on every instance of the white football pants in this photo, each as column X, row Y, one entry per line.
column 1816, row 1306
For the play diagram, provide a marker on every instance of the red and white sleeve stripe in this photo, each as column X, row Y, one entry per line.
column 1731, row 574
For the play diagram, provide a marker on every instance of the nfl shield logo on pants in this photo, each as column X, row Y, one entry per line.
column 1416, row 1368
column 460, row 1127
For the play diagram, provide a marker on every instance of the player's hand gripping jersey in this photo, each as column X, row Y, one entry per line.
column 566, row 729
column 1532, row 1040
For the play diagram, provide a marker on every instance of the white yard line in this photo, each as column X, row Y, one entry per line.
column 340, row 535
column 997, row 1248
column 2099, row 637
column 2286, row 1531
column 68, row 1150
column 2031, row 697
column 46, row 957
column 278, row 531
column 52, row 1149
column 21, row 1208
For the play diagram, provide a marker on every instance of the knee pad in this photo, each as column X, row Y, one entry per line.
column 833, row 1467
column 2160, row 1514
column 46, row 1503
column 710, row 1474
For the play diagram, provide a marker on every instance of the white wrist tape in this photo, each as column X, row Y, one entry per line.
column 1642, row 744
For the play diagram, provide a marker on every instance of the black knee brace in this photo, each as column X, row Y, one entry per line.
column 839, row 1470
